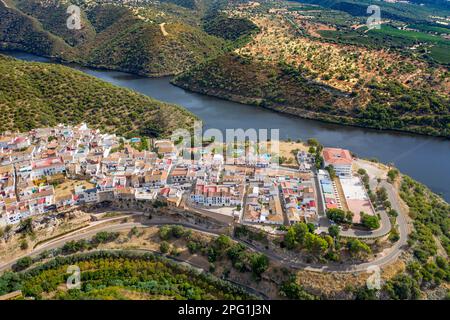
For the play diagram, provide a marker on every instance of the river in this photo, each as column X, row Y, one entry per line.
column 426, row 159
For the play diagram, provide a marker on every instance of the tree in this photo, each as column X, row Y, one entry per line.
column 144, row 144
column 313, row 142
column 403, row 287
column 193, row 246
column 24, row 244
column 105, row 237
column 393, row 213
column 301, row 230
column 22, row 264
column 392, row 175
column 382, row 194
column 315, row 243
column 164, row 247
column 222, row 242
column 362, row 171
column 259, row 263
column 9, row 282
column 292, row 290
column 336, row 215
column 331, row 171
column 26, row 226
column 358, row 248
column 365, row 293
column 334, row 231
column 365, row 179
column 394, row 235
column 165, row 232
column 349, row 216
column 370, row 222
column 319, row 160
column 177, row 231
column 134, row 231
column 311, row 227
column 290, row 239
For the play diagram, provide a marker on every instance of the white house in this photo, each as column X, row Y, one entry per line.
column 340, row 159
column 47, row 167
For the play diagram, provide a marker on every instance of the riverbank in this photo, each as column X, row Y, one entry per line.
column 300, row 113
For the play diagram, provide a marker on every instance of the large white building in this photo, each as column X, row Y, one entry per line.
column 47, row 167
column 340, row 159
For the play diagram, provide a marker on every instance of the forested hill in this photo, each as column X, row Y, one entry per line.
column 36, row 95
column 154, row 39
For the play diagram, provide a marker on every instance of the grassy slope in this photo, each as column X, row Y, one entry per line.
column 38, row 95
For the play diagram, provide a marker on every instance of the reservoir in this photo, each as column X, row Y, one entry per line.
column 426, row 159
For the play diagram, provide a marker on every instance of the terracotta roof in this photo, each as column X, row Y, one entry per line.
column 45, row 163
column 337, row 156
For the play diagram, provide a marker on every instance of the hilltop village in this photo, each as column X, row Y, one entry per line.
column 56, row 169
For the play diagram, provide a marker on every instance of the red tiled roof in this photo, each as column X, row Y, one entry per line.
column 337, row 156
column 45, row 163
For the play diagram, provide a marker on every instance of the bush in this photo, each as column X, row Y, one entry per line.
column 22, row 264
column 370, row 222
column 292, row 290
column 24, row 244
column 259, row 263
column 336, row 215
column 164, row 247
column 402, row 287
column 105, row 237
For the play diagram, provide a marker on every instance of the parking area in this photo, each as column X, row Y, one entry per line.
column 356, row 197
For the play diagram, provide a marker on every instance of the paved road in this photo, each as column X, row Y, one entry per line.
column 286, row 261
column 90, row 231
column 5, row 4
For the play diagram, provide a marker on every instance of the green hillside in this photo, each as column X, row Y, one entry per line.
column 19, row 31
column 150, row 39
column 143, row 49
column 37, row 95
column 121, row 275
